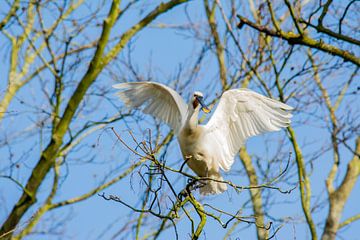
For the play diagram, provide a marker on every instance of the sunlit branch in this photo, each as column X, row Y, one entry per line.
column 11, row 13
column 210, row 13
column 297, row 39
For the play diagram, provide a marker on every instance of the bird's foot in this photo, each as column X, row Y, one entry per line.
column 194, row 184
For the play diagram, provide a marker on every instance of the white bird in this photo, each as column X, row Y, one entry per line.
column 241, row 113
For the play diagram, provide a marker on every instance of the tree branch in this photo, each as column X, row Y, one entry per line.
column 297, row 39
column 339, row 196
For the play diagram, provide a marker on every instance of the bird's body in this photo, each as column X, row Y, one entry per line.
column 241, row 113
column 200, row 154
column 199, row 151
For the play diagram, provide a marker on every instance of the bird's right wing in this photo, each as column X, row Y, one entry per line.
column 242, row 113
column 155, row 99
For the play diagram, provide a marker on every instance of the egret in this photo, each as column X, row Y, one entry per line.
column 241, row 113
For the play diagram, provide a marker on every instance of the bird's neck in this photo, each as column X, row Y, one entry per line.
column 192, row 118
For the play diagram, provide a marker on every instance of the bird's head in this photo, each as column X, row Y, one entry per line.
column 198, row 100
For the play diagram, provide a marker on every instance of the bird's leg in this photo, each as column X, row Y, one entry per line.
column 187, row 158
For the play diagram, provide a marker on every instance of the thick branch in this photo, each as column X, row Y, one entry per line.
column 303, row 178
column 210, row 13
column 49, row 155
column 322, row 29
column 14, row 7
column 97, row 64
column 339, row 196
column 256, row 198
column 201, row 212
column 297, row 39
column 304, row 181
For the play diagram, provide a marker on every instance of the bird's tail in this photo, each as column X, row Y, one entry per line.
column 213, row 187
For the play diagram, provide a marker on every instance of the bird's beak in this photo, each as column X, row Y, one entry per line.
column 203, row 105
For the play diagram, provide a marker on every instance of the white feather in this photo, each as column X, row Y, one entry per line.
column 241, row 113
column 156, row 99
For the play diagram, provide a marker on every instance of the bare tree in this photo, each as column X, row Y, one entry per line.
column 57, row 110
column 51, row 157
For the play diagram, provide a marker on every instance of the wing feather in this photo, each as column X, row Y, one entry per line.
column 155, row 99
column 242, row 113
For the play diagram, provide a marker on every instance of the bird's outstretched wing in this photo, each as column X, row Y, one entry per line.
column 155, row 99
column 242, row 113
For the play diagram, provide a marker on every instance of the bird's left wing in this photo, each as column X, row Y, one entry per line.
column 242, row 113
column 156, row 99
